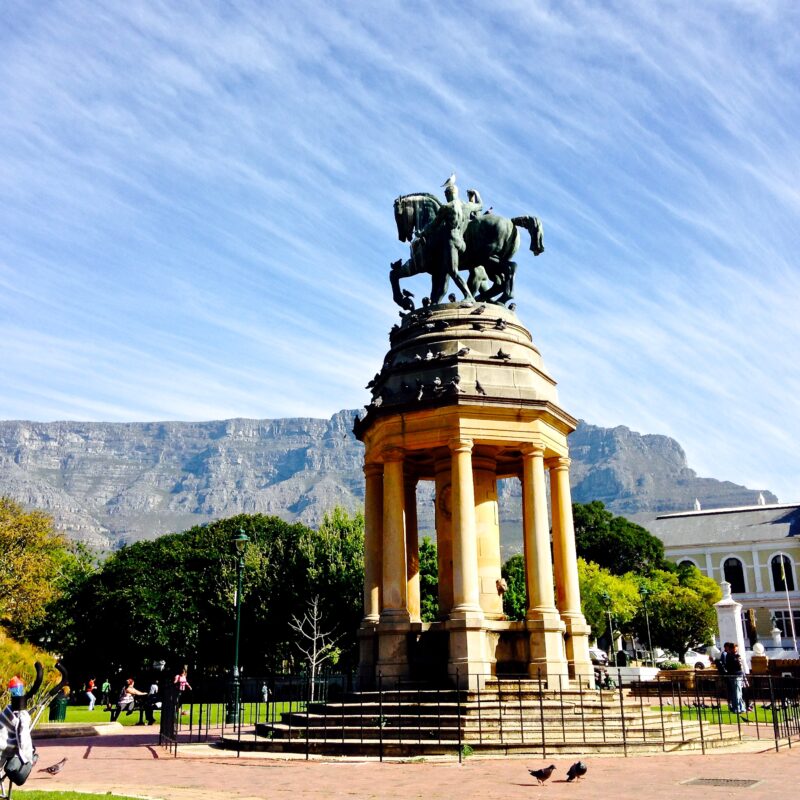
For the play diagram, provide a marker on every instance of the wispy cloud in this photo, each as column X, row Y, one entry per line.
column 195, row 205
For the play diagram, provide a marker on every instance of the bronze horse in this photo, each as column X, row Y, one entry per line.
column 490, row 244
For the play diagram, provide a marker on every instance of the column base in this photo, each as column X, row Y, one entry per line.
column 392, row 663
column 576, row 641
column 367, row 651
column 469, row 661
column 546, row 641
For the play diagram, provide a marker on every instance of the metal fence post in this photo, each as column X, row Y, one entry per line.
column 541, row 712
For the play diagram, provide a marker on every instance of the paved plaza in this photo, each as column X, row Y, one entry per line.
column 132, row 763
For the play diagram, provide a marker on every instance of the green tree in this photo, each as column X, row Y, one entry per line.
column 622, row 591
column 615, row 543
column 31, row 557
column 515, row 599
column 680, row 618
column 428, row 580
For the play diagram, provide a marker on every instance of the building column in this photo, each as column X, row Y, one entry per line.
column 394, row 626
column 757, row 571
column 444, row 535
column 487, row 524
column 568, row 594
column 546, row 630
column 412, row 549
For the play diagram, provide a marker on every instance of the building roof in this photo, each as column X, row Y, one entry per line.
column 727, row 525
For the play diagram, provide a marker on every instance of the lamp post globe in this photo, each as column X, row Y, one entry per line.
column 239, row 542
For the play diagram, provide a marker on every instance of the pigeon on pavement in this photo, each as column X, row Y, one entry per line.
column 577, row 770
column 56, row 768
column 543, row 774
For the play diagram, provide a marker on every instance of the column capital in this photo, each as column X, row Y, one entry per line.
column 392, row 454
column 559, row 463
column 373, row 469
column 460, row 444
column 532, row 450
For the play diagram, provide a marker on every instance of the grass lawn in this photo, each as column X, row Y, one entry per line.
column 712, row 715
column 213, row 714
column 40, row 795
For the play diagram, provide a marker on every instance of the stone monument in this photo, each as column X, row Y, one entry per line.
column 463, row 400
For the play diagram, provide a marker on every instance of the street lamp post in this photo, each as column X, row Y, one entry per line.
column 645, row 593
column 240, row 545
column 605, row 598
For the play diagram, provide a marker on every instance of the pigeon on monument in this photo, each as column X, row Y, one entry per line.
column 512, row 306
column 406, row 293
column 502, row 355
column 451, row 297
column 501, row 324
column 462, row 352
column 577, row 770
column 480, row 309
column 55, row 768
column 451, row 181
column 543, row 774
column 478, row 388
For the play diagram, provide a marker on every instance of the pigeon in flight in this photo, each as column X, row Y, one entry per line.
column 577, row 770
column 543, row 774
column 56, row 768
column 451, row 181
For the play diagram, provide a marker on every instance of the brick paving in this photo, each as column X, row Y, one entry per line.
column 131, row 762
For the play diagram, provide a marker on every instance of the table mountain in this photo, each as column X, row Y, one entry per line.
column 107, row 484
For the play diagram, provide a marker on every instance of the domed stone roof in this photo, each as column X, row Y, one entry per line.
column 459, row 354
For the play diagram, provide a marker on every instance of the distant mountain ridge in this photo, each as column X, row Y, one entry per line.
column 111, row 483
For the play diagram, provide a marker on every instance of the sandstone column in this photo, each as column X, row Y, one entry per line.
column 469, row 660
column 444, row 535
column 487, row 522
column 394, row 538
column 566, row 568
column 547, row 656
column 466, row 593
column 394, row 625
column 412, row 549
column 373, row 544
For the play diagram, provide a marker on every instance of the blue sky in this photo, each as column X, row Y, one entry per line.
column 196, row 205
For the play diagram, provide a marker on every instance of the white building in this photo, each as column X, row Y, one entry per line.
column 755, row 548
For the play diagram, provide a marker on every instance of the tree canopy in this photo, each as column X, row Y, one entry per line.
column 613, row 542
column 32, row 556
column 173, row 598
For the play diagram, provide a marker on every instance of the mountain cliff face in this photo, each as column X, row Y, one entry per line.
column 111, row 483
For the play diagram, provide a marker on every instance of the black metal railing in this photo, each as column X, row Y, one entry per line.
column 332, row 715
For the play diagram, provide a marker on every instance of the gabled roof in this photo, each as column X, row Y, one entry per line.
column 727, row 525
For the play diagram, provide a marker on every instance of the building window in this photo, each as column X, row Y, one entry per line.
column 782, row 622
column 782, row 573
column 734, row 574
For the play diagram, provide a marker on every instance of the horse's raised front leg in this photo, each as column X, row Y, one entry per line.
column 401, row 270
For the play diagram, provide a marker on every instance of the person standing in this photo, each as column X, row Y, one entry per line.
column 734, row 674
column 105, row 694
column 90, row 693
column 181, row 684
